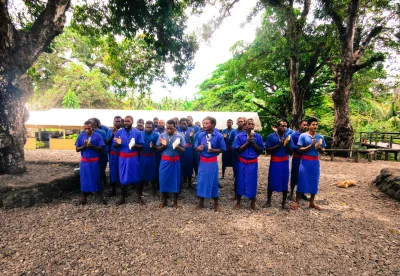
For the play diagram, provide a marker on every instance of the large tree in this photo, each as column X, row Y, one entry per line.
column 161, row 22
column 365, row 30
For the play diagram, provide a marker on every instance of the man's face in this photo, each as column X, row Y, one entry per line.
column 170, row 129
column 282, row 127
column 313, row 126
column 140, row 125
column 155, row 122
column 239, row 123
column 117, row 123
column 207, row 125
column 149, row 128
column 88, row 129
column 161, row 124
column 128, row 123
column 229, row 124
column 303, row 127
column 250, row 125
column 184, row 125
column 190, row 121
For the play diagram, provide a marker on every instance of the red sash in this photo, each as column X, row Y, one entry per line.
column 89, row 160
column 307, row 157
column 298, row 156
column 255, row 160
column 188, row 145
column 170, row 158
column 279, row 159
column 147, row 154
column 208, row 159
column 127, row 154
column 116, row 153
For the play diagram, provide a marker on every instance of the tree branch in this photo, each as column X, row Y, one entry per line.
column 8, row 32
column 369, row 62
column 351, row 22
column 260, row 106
column 306, row 9
column 48, row 25
column 337, row 19
column 372, row 34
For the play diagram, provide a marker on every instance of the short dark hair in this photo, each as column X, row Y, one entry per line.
column 129, row 116
column 303, row 121
column 189, row 117
column 250, row 119
column 149, row 123
column 97, row 121
column 155, row 118
column 140, row 120
column 171, row 122
column 311, row 120
column 229, row 120
column 88, row 122
column 280, row 121
column 183, row 120
column 117, row 117
column 212, row 120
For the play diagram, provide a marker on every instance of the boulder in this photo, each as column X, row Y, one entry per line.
column 389, row 182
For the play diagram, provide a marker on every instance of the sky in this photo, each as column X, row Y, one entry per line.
column 214, row 52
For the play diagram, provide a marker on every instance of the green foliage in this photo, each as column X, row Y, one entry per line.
column 40, row 144
column 70, row 100
column 72, row 136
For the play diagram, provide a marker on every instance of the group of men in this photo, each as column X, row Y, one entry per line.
column 167, row 154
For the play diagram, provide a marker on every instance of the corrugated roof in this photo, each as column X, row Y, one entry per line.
column 62, row 118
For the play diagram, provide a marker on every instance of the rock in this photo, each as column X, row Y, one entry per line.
column 389, row 182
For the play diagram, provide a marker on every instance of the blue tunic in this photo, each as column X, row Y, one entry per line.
column 232, row 137
column 247, row 167
column 129, row 167
column 196, row 128
column 196, row 155
column 113, row 160
column 227, row 155
column 187, row 158
column 294, row 174
column 90, row 163
column 309, row 170
column 148, row 163
column 207, row 178
column 170, row 168
column 278, row 175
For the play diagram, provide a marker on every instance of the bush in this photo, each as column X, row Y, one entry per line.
column 40, row 144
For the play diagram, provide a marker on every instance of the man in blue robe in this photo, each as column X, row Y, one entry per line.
column 278, row 175
column 129, row 141
column 187, row 157
column 90, row 145
column 155, row 124
column 148, row 162
column 296, row 158
column 170, row 168
column 249, row 145
column 210, row 143
column 234, row 133
column 140, row 125
column 113, row 156
column 311, row 145
column 227, row 155
column 103, row 157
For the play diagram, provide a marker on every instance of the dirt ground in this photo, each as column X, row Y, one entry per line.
column 357, row 233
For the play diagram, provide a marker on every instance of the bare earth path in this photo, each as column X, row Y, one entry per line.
column 357, row 233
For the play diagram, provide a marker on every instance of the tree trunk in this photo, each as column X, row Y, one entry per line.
column 343, row 134
column 13, row 116
column 297, row 98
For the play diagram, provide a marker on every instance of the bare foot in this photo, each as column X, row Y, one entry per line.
column 294, row 206
column 267, row 205
column 176, row 206
column 291, row 197
column 315, row 206
column 217, row 208
column 140, row 200
column 199, row 206
column 236, row 207
column 253, row 207
column 163, row 204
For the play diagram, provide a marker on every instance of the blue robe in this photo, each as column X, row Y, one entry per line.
column 128, row 163
column 227, row 156
column 247, row 167
column 170, row 168
column 90, row 163
column 294, row 174
column 113, row 160
column 278, row 175
column 148, row 162
column 232, row 137
column 309, row 171
column 207, row 178
column 187, row 158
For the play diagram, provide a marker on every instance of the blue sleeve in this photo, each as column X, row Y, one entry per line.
column 323, row 141
column 259, row 141
column 301, row 142
column 182, row 142
column 291, row 144
column 221, row 142
column 238, row 142
column 79, row 141
column 156, row 138
column 140, row 140
column 268, row 144
column 197, row 141
column 100, row 141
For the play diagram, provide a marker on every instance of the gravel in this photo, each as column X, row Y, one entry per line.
column 357, row 233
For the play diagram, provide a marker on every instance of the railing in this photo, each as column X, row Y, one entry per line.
column 375, row 138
